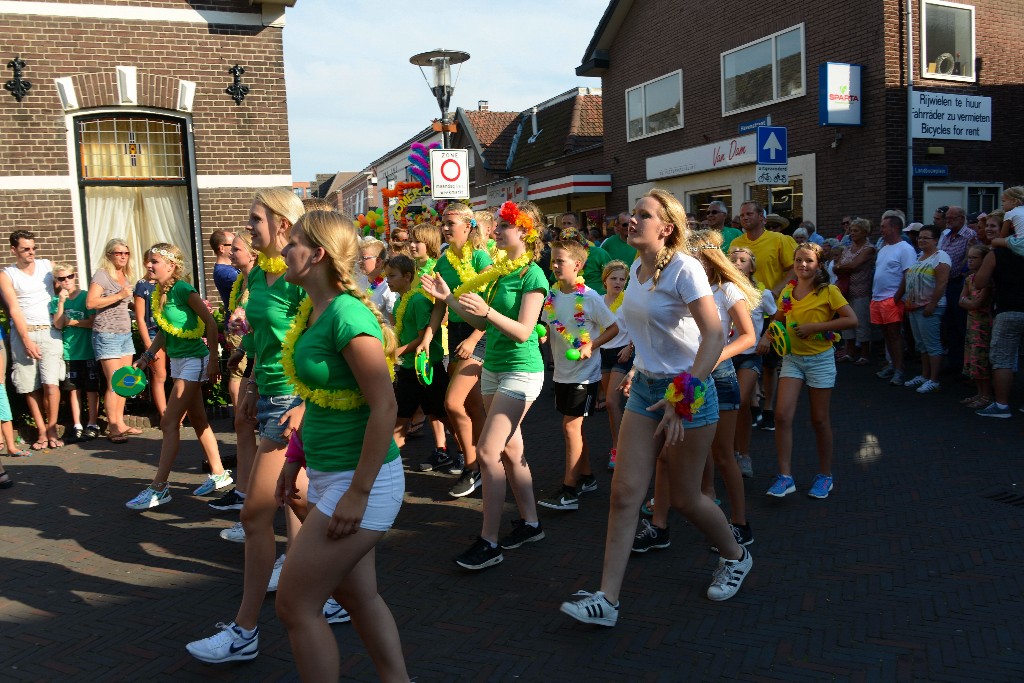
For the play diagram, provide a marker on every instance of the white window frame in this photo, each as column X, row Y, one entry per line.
column 679, row 74
column 775, row 75
column 924, row 41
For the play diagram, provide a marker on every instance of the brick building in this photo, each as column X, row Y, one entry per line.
column 127, row 129
column 682, row 117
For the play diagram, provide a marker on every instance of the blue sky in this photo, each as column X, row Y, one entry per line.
column 353, row 95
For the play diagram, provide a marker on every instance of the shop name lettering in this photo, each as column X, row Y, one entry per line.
column 735, row 150
column 842, row 97
column 932, row 120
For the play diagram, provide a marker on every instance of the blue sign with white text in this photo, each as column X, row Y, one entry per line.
column 931, row 171
column 749, row 126
column 772, row 146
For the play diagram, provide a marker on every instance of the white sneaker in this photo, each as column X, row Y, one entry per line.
column 334, row 613
column 275, row 575
column 916, row 382
column 929, row 387
column 230, row 645
column 591, row 608
column 149, row 498
column 234, row 533
column 729, row 576
column 214, row 482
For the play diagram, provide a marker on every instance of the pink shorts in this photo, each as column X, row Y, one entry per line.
column 886, row 312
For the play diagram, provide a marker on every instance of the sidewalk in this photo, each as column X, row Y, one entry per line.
column 909, row 571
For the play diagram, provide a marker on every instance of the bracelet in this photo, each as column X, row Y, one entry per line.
column 686, row 395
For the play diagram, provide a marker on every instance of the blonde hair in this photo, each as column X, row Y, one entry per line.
column 281, row 202
column 997, row 214
column 706, row 246
column 372, row 244
column 611, row 267
column 484, row 219
column 476, row 237
column 60, row 266
column 821, row 277
column 430, row 235
column 1016, row 193
column 753, row 261
column 335, row 234
column 316, row 204
column 531, row 210
column 246, row 240
column 174, row 256
column 577, row 251
column 862, row 223
column 107, row 264
column 671, row 212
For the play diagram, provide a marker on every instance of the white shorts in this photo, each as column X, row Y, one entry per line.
column 190, row 369
column 523, row 386
column 327, row 488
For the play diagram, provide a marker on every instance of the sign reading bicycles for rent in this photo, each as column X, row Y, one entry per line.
column 949, row 116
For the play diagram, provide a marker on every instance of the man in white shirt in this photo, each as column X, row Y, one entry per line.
column 37, row 351
column 894, row 259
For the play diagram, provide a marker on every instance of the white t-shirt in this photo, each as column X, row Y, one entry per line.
column 890, row 264
column 33, row 292
column 383, row 298
column 766, row 308
column 1016, row 216
column 726, row 296
column 596, row 317
column 622, row 338
column 659, row 322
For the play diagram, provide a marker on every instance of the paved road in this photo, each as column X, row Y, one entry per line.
column 910, row 571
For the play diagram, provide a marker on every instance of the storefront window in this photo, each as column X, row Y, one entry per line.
column 947, row 43
column 700, row 201
column 785, row 200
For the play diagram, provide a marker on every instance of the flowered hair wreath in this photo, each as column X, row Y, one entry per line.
column 511, row 213
column 172, row 258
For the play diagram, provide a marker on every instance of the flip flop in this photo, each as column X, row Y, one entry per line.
column 117, row 438
column 55, row 443
column 133, row 431
column 24, row 453
column 40, row 444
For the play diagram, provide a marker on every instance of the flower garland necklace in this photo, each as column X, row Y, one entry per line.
column 787, row 306
column 617, row 301
column 332, row 399
column 376, row 283
column 272, row 265
column 463, row 264
column 166, row 326
column 236, row 288
column 574, row 343
column 495, row 272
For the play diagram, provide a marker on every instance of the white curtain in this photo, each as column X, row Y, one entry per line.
column 141, row 216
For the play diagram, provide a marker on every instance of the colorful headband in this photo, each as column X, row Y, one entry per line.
column 702, row 246
column 168, row 255
column 510, row 213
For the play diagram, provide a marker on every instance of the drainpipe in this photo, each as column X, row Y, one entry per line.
column 910, row 110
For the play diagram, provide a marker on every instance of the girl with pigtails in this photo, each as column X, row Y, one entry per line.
column 183, row 320
column 670, row 314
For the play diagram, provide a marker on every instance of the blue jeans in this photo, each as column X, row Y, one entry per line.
column 646, row 391
column 269, row 411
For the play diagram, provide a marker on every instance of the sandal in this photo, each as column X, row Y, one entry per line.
column 118, row 438
column 40, row 444
column 861, row 361
column 24, row 453
column 132, row 431
column 55, row 443
column 5, row 481
column 844, row 358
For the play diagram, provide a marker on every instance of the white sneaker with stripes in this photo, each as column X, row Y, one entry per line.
column 592, row 608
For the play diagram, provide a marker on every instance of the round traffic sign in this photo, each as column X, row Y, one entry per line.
column 445, row 170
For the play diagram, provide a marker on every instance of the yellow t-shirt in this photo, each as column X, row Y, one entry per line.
column 774, row 253
column 817, row 307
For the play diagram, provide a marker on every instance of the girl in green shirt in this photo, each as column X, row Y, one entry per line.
column 513, row 374
column 183, row 319
column 336, row 355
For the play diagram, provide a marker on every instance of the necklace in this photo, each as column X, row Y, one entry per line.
column 463, row 264
column 617, row 301
column 787, row 306
column 332, row 399
column 166, row 326
column 498, row 270
column 403, row 303
column 376, row 283
column 236, row 287
column 272, row 265
column 575, row 343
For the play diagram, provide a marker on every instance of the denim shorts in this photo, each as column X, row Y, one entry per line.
column 818, row 371
column 191, row 369
column 269, row 411
column 748, row 361
column 524, row 386
column 110, row 345
column 327, row 488
column 646, row 391
column 926, row 330
column 610, row 361
column 726, row 386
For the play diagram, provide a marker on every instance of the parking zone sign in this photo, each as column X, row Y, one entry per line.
column 449, row 173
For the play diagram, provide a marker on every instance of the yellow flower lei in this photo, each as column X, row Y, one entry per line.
column 399, row 312
column 235, row 289
column 332, row 399
column 272, row 266
column 166, row 326
column 498, row 270
column 463, row 265
column 618, row 301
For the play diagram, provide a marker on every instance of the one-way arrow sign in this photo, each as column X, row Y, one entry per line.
column 772, row 145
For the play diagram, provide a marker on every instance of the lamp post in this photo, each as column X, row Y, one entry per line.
column 440, row 62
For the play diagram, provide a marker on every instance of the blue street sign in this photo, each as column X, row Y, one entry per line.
column 931, row 171
column 748, row 126
column 772, row 147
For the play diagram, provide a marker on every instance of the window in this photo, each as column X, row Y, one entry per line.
column 655, row 107
column 785, row 200
column 947, row 40
column 763, row 72
column 700, row 202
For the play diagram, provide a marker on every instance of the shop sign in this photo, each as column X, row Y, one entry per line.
column 732, row 152
column 948, row 116
column 839, row 94
column 513, row 190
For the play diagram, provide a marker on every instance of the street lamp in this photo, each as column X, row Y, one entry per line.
column 440, row 62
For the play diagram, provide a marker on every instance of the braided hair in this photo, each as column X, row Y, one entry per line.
column 671, row 212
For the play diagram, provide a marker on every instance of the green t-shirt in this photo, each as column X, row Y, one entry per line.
column 333, row 439
column 177, row 312
column 77, row 340
column 415, row 319
column 270, row 311
column 728, row 235
column 505, row 296
column 597, row 259
column 618, row 249
column 481, row 259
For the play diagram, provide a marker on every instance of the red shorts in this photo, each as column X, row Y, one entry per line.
column 886, row 312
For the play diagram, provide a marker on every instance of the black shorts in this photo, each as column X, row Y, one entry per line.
column 610, row 361
column 411, row 395
column 458, row 333
column 575, row 400
column 83, row 375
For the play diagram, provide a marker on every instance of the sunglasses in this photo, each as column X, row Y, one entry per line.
column 66, row 278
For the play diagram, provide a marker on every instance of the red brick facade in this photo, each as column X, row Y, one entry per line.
column 198, row 45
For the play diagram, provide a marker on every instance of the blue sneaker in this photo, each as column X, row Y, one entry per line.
column 783, row 486
column 993, row 410
column 214, row 482
column 821, row 487
column 149, row 498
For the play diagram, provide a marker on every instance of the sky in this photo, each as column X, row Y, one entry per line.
column 353, row 95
